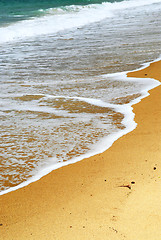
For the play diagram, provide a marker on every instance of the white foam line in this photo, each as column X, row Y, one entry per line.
column 144, row 65
column 92, row 101
column 106, row 142
column 72, row 17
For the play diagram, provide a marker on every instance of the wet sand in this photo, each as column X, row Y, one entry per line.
column 113, row 195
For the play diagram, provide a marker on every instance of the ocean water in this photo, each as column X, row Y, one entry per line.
column 64, row 94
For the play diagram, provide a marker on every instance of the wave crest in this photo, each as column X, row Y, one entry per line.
column 53, row 20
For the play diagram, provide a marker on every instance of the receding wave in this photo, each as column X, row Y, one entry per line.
column 53, row 20
column 37, row 138
column 24, row 163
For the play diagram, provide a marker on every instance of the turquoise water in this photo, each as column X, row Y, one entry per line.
column 17, row 10
column 58, row 99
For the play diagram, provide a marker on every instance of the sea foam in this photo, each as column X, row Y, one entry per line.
column 106, row 142
column 54, row 20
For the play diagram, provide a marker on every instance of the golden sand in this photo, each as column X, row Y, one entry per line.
column 85, row 201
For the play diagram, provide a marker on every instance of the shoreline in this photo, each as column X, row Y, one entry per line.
column 105, row 143
column 87, row 200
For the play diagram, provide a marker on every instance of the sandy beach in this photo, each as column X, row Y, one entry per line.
column 110, row 196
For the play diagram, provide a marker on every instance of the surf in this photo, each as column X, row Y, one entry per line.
column 54, row 20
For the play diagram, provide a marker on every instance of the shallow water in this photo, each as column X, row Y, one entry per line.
column 58, row 99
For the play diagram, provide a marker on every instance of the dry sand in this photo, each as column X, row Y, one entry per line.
column 84, row 201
